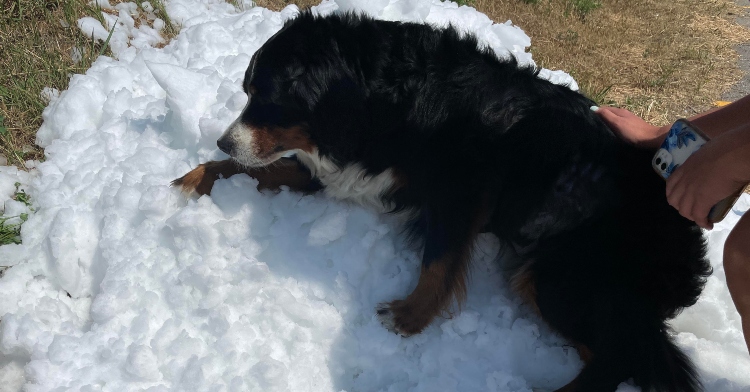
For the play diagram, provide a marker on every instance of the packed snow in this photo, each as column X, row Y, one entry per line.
column 124, row 284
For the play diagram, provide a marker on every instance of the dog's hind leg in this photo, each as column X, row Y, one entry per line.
column 449, row 237
column 643, row 351
column 285, row 171
column 587, row 286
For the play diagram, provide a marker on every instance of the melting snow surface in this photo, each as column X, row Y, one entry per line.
column 122, row 284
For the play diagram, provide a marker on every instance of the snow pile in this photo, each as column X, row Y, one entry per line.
column 122, row 284
column 12, row 211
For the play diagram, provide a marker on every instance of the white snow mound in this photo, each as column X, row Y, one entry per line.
column 122, row 284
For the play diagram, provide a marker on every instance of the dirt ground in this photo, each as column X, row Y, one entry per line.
column 742, row 87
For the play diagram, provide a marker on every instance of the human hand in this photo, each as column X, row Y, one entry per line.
column 632, row 128
column 707, row 177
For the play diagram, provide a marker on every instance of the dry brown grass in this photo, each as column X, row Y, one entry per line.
column 660, row 59
column 35, row 51
column 277, row 5
column 36, row 42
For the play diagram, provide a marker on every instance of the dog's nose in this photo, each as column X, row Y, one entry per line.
column 224, row 145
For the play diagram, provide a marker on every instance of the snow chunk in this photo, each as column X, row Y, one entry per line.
column 122, row 282
column 91, row 27
column 142, row 363
column 329, row 227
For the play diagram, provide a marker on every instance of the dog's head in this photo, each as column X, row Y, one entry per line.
column 296, row 83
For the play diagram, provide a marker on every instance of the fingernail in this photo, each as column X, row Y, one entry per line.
column 594, row 108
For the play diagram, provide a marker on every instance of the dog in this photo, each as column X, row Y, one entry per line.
column 426, row 122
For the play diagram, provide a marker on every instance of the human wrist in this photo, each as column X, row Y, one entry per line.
column 655, row 137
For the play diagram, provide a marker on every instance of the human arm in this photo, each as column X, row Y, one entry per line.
column 713, row 123
column 727, row 118
column 717, row 170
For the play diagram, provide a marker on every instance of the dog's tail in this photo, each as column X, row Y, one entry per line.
column 649, row 356
column 662, row 365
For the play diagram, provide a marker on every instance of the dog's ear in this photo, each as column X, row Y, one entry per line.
column 337, row 105
column 322, row 82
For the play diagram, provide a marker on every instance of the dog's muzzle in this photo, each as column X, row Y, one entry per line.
column 225, row 145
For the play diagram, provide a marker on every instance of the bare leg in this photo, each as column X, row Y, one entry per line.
column 737, row 269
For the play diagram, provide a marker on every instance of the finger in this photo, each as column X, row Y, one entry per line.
column 680, row 200
column 673, row 191
column 619, row 112
column 611, row 119
column 685, row 208
column 674, row 182
column 699, row 215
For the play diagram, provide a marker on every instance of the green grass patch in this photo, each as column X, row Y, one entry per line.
column 10, row 233
column 170, row 30
column 597, row 94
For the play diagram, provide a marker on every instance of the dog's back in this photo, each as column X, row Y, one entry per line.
column 608, row 261
column 427, row 120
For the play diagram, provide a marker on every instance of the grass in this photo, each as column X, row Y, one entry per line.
column 38, row 40
column 661, row 59
column 41, row 46
column 581, row 7
column 170, row 28
column 10, row 233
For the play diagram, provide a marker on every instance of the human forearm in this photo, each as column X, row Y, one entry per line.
column 738, row 154
column 719, row 120
column 714, row 172
column 713, row 122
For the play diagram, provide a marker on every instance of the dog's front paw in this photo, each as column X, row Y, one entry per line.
column 402, row 318
column 197, row 180
column 201, row 179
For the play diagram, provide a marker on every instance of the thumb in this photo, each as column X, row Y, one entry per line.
column 608, row 115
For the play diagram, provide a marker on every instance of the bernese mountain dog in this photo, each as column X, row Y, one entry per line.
column 427, row 122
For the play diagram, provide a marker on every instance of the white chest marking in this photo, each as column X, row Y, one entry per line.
column 350, row 182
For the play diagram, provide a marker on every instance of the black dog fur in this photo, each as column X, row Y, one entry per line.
column 465, row 141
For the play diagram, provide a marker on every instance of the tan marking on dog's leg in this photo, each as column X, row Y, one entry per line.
column 201, row 179
column 524, row 284
column 434, row 292
column 584, row 352
column 586, row 356
column 282, row 172
column 442, row 280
